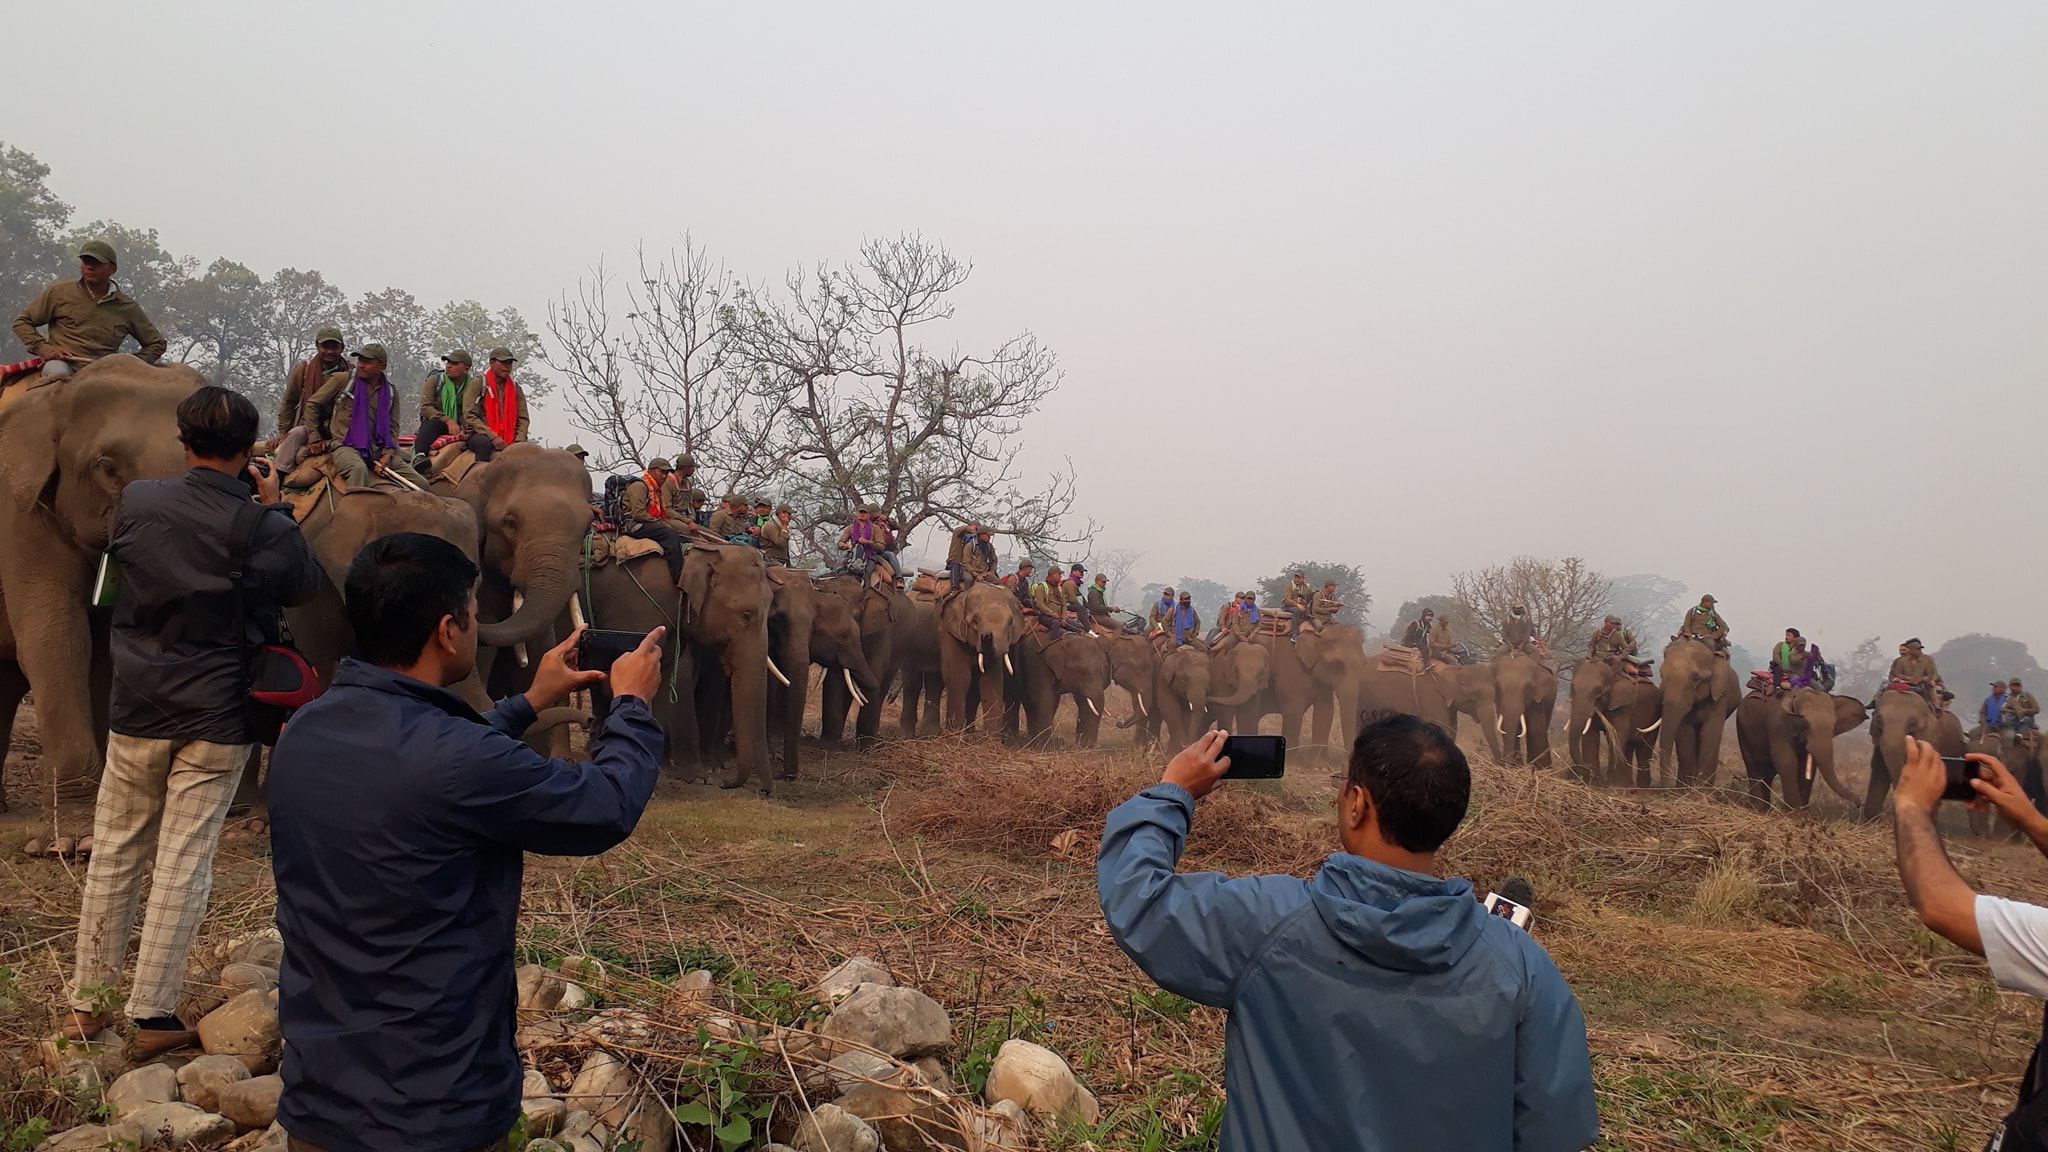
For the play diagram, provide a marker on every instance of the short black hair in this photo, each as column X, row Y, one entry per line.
column 1417, row 777
column 217, row 423
column 1793, row 632
column 398, row 589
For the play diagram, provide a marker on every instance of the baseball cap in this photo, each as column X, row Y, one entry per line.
column 659, row 464
column 328, row 335
column 576, row 450
column 372, row 352
column 504, row 354
column 98, row 250
column 459, row 356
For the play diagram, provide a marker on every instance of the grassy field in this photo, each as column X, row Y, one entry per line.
column 1749, row 981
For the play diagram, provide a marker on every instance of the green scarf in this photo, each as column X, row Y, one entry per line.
column 451, row 401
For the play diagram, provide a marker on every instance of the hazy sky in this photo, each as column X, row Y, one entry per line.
column 1749, row 295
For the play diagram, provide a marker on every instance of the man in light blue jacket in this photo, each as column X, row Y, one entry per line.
column 1375, row 1007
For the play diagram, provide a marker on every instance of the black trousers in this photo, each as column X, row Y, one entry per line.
column 671, row 542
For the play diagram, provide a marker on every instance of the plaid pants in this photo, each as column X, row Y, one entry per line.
column 165, row 798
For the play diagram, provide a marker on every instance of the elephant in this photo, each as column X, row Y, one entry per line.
column 2021, row 757
column 1699, row 692
column 1327, row 671
column 1895, row 716
column 1183, row 694
column 1605, row 710
column 978, row 625
column 1473, row 696
column 1238, row 679
column 715, row 656
column 1428, row 695
column 533, row 515
column 886, row 618
column 1134, row 666
column 1050, row 667
column 67, row 449
column 1791, row 736
column 1525, row 697
column 806, row 627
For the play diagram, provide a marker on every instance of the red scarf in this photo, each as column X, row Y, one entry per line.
column 653, row 491
column 501, row 405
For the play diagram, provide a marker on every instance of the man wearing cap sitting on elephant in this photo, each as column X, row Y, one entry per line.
column 1914, row 666
column 1097, row 600
column 1609, row 644
column 87, row 318
column 970, row 556
column 647, row 518
column 442, row 405
column 1704, row 623
column 726, row 522
column 350, row 418
column 307, row 375
column 2021, row 706
column 773, row 533
column 494, row 407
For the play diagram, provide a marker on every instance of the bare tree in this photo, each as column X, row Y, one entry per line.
column 1564, row 598
column 1116, row 564
column 870, row 415
column 657, row 381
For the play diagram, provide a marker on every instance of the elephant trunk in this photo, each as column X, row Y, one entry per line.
column 1245, row 691
column 1675, row 704
column 1820, row 751
column 546, row 586
column 748, row 670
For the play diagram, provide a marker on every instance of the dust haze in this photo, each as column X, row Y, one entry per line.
column 1744, row 295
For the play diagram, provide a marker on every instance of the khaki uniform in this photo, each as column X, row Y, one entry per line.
column 1299, row 598
column 1162, row 614
column 1098, row 604
column 1703, row 624
column 976, row 558
column 638, row 506
column 2022, row 704
column 774, row 536
column 725, row 524
column 1193, row 633
column 1517, row 631
column 1917, row 668
column 1611, row 644
column 1238, row 623
column 1050, row 605
column 473, row 421
column 1440, row 642
column 1324, row 607
column 92, row 328
column 305, row 379
column 328, row 414
column 430, row 401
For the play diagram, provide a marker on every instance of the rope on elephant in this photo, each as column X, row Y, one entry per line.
column 675, row 671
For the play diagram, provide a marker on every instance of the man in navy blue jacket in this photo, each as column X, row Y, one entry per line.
column 399, row 820
column 1376, row 1007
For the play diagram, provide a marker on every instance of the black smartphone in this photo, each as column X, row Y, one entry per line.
column 1255, row 757
column 598, row 647
column 1961, row 770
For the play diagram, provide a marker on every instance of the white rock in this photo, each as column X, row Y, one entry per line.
column 692, row 989
column 849, row 1069
column 605, row 1087
column 543, row 1145
column 544, row 1115
column 539, row 989
column 535, row 1083
column 649, row 1125
column 245, row 1028
column 574, row 968
column 176, row 1125
column 576, row 1123
column 585, row 1144
column 265, row 948
column 898, row 1021
column 830, row 1128
column 251, row 1103
column 94, row 1138
column 200, row 1080
column 1037, row 1079
column 574, row 996
column 242, row 976
column 149, row 1084
column 855, row 971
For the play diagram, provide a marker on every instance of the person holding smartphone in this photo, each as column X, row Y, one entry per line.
column 1376, row 1006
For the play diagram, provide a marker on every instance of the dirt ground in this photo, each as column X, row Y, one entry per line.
column 1749, row 981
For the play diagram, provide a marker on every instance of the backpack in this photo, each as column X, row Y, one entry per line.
column 611, row 507
column 279, row 679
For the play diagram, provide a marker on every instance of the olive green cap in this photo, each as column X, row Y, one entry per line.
column 787, row 508
column 98, row 250
column 762, row 502
column 459, row 356
column 372, row 352
column 729, row 498
column 686, row 461
column 659, row 464
column 576, row 450
column 328, row 335
column 696, row 496
column 504, row 354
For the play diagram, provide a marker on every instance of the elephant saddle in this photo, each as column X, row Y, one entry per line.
column 604, row 547
column 1401, row 658
column 16, row 379
column 930, row 586
column 451, row 460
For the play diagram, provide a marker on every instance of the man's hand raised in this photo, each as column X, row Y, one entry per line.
column 557, row 675
column 638, row 673
column 1200, row 765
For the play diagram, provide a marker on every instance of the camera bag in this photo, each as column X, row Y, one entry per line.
column 2025, row 1128
column 279, row 677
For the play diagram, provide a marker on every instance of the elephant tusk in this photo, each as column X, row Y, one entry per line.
column 1809, row 767
column 1588, row 728
column 1523, row 734
column 1653, row 727
column 1140, row 697
column 1007, row 669
column 777, row 672
column 576, row 619
column 858, row 699
column 1093, row 708
column 980, row 662
column 519, row 653
column 1497, row 726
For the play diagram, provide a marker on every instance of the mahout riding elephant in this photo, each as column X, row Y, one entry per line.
column 1183, row 694
column 67, row 449
column 1897, row 715
column 806, row 627
column 1134, row 667
column 1068, row 664
column 2021, row 757
column 1603, row 707
column 1525, row 698
column 884, row 616
column 1699, row 691
column 715, row 657
column 1473, row 696
column 1428, row 695
column 977, row 628
column 1791, row 736
column 1327, row 671
column 1238, row 679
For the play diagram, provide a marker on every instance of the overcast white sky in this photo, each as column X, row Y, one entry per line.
column 1749, row 295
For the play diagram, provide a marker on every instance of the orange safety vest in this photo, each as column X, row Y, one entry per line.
column 654, row 508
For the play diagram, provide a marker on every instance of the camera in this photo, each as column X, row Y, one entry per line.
column 1255, row 757
column 1961, row 770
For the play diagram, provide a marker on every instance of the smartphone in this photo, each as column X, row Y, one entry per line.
column 598, row 647
column 1961, row 770
column 1520, row 915
column 1255, row 757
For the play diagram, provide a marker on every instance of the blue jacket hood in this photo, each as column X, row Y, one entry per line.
column 1397, row 919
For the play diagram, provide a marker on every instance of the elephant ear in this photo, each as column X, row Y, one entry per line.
column 695, row 582
column 1013, row 627
column 1309, row 647
column 28, row 446
column 953, row 619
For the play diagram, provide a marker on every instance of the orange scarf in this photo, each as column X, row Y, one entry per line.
column 653, row 496
column 501, row 405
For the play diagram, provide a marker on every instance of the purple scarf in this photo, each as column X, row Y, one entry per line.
column 364, row 434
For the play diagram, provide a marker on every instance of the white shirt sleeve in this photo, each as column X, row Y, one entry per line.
column 2016, row 943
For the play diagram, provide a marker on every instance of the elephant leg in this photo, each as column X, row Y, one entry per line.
column 834, row 702
column 795, row 697
column 1759, row 792
column 1708, row 761
column 53, row 643
column 13, row 686
column 1880, row 784
column 1325, row 705
column 930, row 724
column 956, row 665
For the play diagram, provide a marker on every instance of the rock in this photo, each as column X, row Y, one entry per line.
column 604, row 1087
column 242, row 977
column 245, row 1028
column 200, row 1081
column 544, row 1115
column 847, row 1071
column 150, row 1084
column 855, row 971
column 543, row 1145
column 585, row 1144
column 649, row 1124
column 574, row 997
column 691, row 990
column 830, row 1128
column 251, row 1103
column 176, row 1125
column 897, row 1021
column 535, row 1083
column 934, row 1073
column 776, row 1148
column 585, row 968
column 539, row 989
column 1012, row 1119
column 94, row 1137
column 616, row 1025
column 576, row 1123
column 906, row 1120
column 1037, row 1079
column 265, row 948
